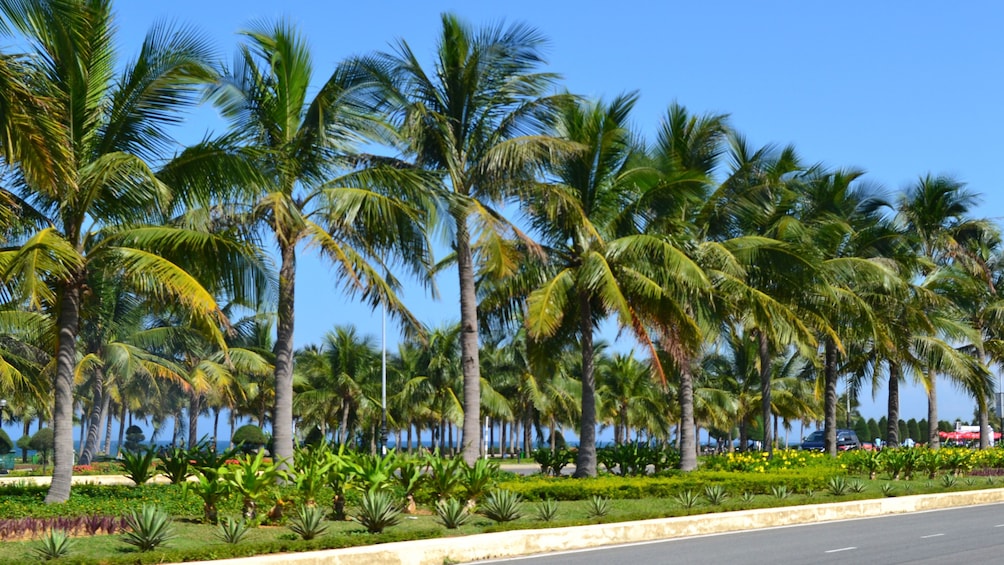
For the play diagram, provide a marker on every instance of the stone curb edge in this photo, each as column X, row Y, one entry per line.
column 528, row 542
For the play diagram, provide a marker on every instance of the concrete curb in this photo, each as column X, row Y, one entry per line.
column 529, row 542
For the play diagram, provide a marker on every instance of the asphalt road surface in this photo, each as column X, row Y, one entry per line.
column 956, row 536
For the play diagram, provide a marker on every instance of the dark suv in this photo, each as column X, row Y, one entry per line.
column 846, row 440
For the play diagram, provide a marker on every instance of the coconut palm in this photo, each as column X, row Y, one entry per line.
column 475, row 119
column 935, row 213
column 312, row 191
column 103, row 196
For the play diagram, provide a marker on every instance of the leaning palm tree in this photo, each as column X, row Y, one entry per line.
column 312, row 191
column 474, row 119
column 103, row 205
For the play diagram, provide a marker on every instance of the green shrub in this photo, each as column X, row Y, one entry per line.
column 715, row 494
column 837, row 486
column 597, row 507
column 552, row 462
column 452, row 513
column 53, row 545
column 308, row 522
column 138, row 465
column 232, row 531
column 547, row 510
column 6, row 445
column 687, row 499
column 134, row 438
column 377, row 511
column 249, row 438
column 43, row 442
column 149, row 528
column 480, row 479
column 502, row 506
column 174, row 464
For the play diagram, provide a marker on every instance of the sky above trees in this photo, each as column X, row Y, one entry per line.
column 898, row 90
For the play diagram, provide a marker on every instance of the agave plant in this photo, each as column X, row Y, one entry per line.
column 502, row 506
column 308, row 522
column 547, row 510
column 149, row 528
column 597, row 507
column 53, row 545
column 378, row 511
column 780, row 492
column 715, row 494
column 687, row 499
column 837, row 485
column 452, row 513
column 232, row 531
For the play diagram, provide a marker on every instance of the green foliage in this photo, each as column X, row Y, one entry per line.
column 210, row 484
column 615, row 488
column 253, row 479
column 43, row 442
column 634, row 458
column 53, row 545
column 748, row 497
column 375, row 473
column 687, row 499
column 856, row 486
column 232, row 531
column 410, row 478
column 377, row 511
column 888, row 489
column 948, row 481
column 308, row 523
column 502, row 506
column 597, row 507
column 174, row 464
column 138, row 465
column 715, row 494
column 6, row 445
column 546, row 510
column 479, row 479
column 311, row 465
column 134, row 438
column 780, row 492
column 837, row 485
column 249, row 437
column 149, row 528
column 445, row 475
column 452, row 513
column 551, row 463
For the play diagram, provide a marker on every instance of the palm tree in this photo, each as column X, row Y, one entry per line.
column 934, row 211
column 475, row 120
column 299, row 145
column 103, row 196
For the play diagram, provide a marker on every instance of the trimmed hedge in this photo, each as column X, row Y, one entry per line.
column 566, row 488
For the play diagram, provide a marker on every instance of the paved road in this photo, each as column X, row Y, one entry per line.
column 958, row 536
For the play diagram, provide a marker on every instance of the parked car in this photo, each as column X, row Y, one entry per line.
column 846, row 440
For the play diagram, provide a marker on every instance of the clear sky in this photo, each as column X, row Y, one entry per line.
column 898, row 89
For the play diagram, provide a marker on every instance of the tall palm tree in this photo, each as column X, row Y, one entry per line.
column 935, row 212
column 593, row 266
column 312, row 191
column 475, row 119
column 103, row 203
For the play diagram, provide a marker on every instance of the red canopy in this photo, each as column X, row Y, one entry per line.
column 964, row 436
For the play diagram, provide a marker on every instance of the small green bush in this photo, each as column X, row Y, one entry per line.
column 502, row 506
column 308, row 522
column 249, row 437
column 452, row 513
column 232, row 531
column 547, row 510
column 149, row 528
column 53, row 545
column 378, row 511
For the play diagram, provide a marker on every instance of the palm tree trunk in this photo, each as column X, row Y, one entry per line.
column 585, row 462
column 984, row 425
column 216, row 424
column 67, row 323
column 282, row 416
column 830, row 397
column 688, row 429
column 933, row 439
column 122, row 428
column 99, row 406
column 765, row 389
column 469, row 355
column 194, row 408
column 892, row 429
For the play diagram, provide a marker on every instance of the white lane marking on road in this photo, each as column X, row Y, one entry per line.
column 841, row 549
column 931, row 536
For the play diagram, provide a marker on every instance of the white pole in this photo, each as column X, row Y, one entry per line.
column 383, row 380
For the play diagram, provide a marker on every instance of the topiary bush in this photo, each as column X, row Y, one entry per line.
column 43, row 442
column 6, row 445
column 134, row 438
column 249, row 437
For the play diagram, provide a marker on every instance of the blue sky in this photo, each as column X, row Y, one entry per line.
column 897, row 89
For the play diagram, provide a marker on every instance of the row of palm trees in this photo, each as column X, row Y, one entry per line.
column 129, row 261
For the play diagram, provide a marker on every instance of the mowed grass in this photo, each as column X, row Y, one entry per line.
column 198, row 541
